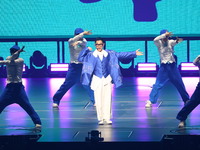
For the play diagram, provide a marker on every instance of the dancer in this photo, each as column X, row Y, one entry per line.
column 14, row 91
column 100, row 70
column 168, row 70
column 193, row 103
column 76, row 44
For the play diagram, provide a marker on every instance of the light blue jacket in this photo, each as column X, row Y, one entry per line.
column 90, row 62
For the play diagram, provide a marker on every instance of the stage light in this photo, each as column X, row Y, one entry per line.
column 188, row 66
column 59, row 67
column 146, row 67
column 94, row 136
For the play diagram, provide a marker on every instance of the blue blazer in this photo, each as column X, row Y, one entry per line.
column 89, row 65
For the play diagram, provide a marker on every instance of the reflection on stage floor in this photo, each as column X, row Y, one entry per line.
column 76, row 116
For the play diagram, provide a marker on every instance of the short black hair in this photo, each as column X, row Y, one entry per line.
column 99, row 39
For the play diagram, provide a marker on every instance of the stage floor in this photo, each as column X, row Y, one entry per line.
column 76, row 116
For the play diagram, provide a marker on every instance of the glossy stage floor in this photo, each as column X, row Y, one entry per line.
column 76, row 116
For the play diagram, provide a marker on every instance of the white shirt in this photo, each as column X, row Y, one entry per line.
column 75, row 50
column 96, row 81
column 101, row 54
column 14, row 68
column 166, row 50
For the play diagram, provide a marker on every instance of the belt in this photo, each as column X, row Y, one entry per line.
column 75, row 62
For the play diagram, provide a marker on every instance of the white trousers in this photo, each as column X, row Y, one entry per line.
column 103, row 99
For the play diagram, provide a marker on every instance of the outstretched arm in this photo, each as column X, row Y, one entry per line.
column 157, row 40
column 138, row 53
column 178, row 40
column 129, row 55
column 83, row 54
column 12, row 58
column 16, row 54
column 163, row 36
column 76, row 39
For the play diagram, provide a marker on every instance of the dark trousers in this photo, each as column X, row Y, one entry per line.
column 72, row 77
column 15, row 93
column 168, row 72
column 192, row 104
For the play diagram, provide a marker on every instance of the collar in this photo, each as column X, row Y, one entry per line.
column 103, row 52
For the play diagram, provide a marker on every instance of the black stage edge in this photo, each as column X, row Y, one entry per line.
column 97, row 145
column 180, row 142
column 168, row 142
column 18, row 142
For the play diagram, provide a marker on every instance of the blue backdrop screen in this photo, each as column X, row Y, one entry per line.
column 103, row 17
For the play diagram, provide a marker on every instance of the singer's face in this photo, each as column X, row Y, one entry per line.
column 99, row 45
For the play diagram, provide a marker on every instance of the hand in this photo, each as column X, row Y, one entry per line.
column 90, row 48
column 168, row 34
column 139, row 53
column 75, row 43
column 178, row 40
column 87, row 32
column 22, row 49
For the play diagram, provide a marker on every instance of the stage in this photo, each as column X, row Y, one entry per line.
column 133, row 124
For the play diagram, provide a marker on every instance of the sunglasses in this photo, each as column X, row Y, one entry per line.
column 98, row 44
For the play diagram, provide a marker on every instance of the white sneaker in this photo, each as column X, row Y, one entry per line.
column 181, row 124
column 108, row 121
column 38, row 128
column 148, row 104
column 55, row 105
column 101, row 122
